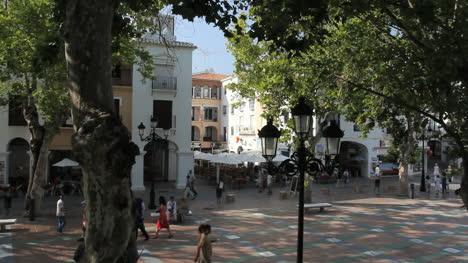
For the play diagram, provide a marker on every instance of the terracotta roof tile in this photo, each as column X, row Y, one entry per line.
column 209, row 76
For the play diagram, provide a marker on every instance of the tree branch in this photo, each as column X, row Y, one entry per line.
column 405, row 29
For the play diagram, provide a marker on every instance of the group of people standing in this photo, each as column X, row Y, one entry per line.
column 440, row 180
column 264, row 180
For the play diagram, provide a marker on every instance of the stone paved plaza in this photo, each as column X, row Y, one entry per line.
column 360, row 227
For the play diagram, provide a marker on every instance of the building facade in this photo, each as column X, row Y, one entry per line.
column 167, row 97
column 208, row 134
column 242, row 119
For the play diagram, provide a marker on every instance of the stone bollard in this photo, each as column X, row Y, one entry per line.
column 283, row 195
column 357, row 189
column 231, row 197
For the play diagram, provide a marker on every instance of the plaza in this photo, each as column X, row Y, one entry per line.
column 256, row 227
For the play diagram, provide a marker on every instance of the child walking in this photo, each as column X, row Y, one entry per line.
column 204, row 250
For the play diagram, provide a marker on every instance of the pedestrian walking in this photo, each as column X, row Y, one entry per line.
column 449, row 173
column 140, row 215
column 270, row 183
column 428, row 182
column 172, row 208
column 377, row 180
column 260, row 178
column 162, row 221
column 188, row 193
column 7, row 200
column 219, row 191
column 204, row 249
column 60, row 215
column 437, row 181
column 436, row 170
column 345, row 176
column 192, row 182
column 444, row 183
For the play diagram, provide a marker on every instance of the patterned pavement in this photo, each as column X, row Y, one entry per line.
column 260, row 228
column 372, row 230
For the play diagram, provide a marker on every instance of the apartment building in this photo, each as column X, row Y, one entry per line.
column 208, row 135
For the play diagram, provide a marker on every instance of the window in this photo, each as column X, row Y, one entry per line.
column 232, row 110
column 241, row 120
column 356, row 128
column 116, row 72
column 211, row 114
column 197, row 92
column 117, row 106
column 252, row 104
column 193, row 115
column 224, row 110
column 214, row 93
column 389, row 131
column 252, row 122
column 241, row 107
column 206, row 92
column 162, row 109
column 15, row 112
column 232, row 130
column 224, row 134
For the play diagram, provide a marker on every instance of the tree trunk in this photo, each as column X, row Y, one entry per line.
column 36, row 142
column 101, row 143
column 406, row 148
column 403, row 176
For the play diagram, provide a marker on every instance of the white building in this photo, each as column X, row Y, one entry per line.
column 357, row 154
column 243, row 119
column 168, row 98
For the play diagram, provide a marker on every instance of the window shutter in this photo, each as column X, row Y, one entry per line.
column 162, row 109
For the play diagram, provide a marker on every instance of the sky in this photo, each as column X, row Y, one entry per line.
column 211, row 50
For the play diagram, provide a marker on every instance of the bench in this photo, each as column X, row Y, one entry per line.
column 4, row 222
column 317, row 205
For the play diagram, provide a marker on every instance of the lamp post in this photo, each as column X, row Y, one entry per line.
column 424, row 136
column 302, row 116
column 302, row 161
column 151, row 138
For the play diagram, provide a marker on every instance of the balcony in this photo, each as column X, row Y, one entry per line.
column 246, row 130
column 122, row 76
column 164, row 83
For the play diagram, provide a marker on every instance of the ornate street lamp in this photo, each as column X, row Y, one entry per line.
column 151, row 138
column 269, row 136
column 333, row 135
column 304, row 161
column 302, row 116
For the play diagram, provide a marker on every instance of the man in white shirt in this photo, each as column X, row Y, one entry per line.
column 172, row 208
column 270, row 183
column 60, row 215
column 377, row 179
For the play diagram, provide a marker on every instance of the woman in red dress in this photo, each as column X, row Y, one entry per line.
column 163, row 222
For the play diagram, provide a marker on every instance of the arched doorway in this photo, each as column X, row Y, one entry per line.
column 195, row 133
column 18, row 162
column 156, row 161
column 355, row 158
column 210, row 134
